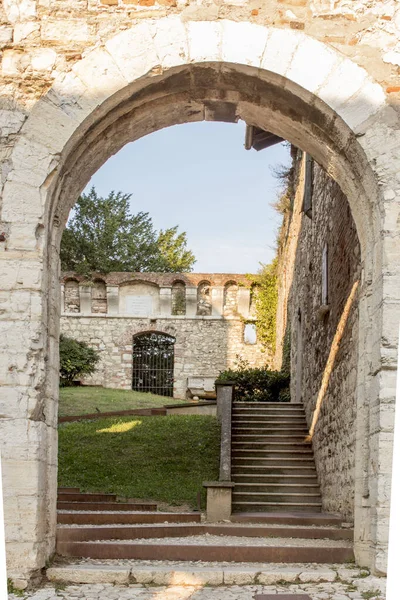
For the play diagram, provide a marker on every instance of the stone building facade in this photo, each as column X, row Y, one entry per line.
column 207, row 315
column 320, row 263
column 80, row 79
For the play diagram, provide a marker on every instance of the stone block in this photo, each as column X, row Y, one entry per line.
column 133, row 52
column 219, row 500
column 91, row 574
column 65, row 31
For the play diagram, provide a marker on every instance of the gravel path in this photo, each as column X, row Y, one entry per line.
column 226, row 540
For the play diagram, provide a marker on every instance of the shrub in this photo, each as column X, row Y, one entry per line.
column 76, row 359
column 257, row 385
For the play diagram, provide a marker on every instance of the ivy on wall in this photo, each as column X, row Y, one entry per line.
column 265, row 292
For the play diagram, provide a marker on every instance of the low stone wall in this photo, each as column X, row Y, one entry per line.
column 204, row 346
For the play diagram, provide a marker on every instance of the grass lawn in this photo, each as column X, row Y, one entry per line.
column 159, row 458
column 81, row 400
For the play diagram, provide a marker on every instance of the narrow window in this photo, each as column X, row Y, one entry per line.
column 179, row 298
column 308, row 186
column 250, row 333
column 325, row 297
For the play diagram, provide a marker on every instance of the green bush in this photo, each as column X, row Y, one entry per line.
column 76, row 359
column 257, row 385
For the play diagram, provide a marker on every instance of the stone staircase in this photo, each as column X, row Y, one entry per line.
column 272, row 466
column 99, row 527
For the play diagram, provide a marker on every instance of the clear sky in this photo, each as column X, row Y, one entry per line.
column 200, row 177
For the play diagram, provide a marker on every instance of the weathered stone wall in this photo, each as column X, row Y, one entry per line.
column 209, row 330
column 204, row 346
column 81, row 79
column 313, row 325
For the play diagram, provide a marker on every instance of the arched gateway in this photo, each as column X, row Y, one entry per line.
column 155, row 73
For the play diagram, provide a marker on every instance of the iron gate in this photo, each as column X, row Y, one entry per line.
column 153, row 363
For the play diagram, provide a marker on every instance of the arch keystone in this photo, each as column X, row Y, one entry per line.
column 170, row 41
column 253, row 39
column 204, row 39
column 279, row 51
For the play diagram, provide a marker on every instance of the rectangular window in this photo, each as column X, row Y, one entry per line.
column 325, row 298
column 250, row 333
column 308, row 186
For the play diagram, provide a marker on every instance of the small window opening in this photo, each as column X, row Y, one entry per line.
column 250, row 333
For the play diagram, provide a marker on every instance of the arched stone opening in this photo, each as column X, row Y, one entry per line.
column 99, row 296
column 178, row 298
column 154, row 79
column 230, row 298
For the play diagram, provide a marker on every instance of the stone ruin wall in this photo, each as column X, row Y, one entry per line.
column 312, row 333
column 209, row 336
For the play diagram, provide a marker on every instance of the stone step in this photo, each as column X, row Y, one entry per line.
column 269, row 445
column 270, row 418
column 68, row 490
column 238, row 436
column 279, row 478
column 83, row 497
column 270, row 453
column 275, row 426
column 303, row 551
column 84, row 534
column 270, row 470
column 275, row 506
column 246, row 461
column 282, row 487
column 277, row 405
column 296, row 412
column 106, row 506
column 200, row 574
column 127, row 518
column 312, row 519
column 303, row 497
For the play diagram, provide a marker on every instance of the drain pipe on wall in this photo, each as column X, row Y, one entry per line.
column 3, row 566
column 392, row 588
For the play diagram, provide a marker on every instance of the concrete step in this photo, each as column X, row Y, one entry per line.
column 303, row 497
column 84, row 534
column 126, row 518
column 200, row 574
column 314, row 519
column 306, row 551
column 106, row 506
column 251, row 478
column 275, row 506
column 283, row 487
column 81, row 497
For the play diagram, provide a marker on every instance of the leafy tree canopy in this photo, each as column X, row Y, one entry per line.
column 104, row 236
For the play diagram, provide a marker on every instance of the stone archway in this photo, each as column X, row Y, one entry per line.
column 155, row 75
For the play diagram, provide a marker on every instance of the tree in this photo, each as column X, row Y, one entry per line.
column 104, row 236
column 76, row 359
column 172, row 248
